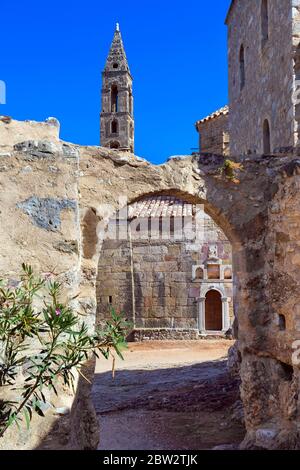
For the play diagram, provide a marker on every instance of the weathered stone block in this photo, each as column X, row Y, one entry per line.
column 45, row 213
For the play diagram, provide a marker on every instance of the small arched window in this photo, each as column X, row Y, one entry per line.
column 114, row 99
column 114, row 127
column 282, row 323
column 264, row 21
column 266, row 138
column 242, row 67
column 130, row 102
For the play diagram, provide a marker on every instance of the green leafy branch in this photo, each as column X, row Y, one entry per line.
column 63, row 345
column 230, row 169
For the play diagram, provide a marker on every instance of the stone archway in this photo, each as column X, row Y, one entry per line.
column 246, row 225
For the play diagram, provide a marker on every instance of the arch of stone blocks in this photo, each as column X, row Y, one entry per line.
column 258, row 214
column 78, row 188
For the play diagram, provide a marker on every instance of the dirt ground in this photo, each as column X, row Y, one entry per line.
column 168, row 396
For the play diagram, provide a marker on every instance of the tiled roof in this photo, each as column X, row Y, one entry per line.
column 220, row 112
column 160, row 206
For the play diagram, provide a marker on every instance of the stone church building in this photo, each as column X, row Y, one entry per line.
column 264, row 66
column 263, row 81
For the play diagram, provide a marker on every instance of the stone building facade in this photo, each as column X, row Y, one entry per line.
column 213, row 132
column 264, row 66
column 116, row 119
column 170, row 280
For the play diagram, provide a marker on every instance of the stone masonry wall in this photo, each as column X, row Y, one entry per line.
column 164, row 334
column 40, row 225
column 165, row 292
column 269, row 76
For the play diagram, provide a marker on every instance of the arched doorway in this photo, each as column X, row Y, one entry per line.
column 213, row 311
column 114, row 145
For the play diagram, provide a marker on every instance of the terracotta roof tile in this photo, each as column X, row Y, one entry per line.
column 161, row 206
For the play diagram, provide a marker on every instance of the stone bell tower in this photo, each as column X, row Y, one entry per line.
column 116, row 119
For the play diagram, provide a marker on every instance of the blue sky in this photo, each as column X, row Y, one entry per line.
column 53, row 53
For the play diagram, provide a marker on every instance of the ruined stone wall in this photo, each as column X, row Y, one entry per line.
column 54, row 196
column 214, row 136
column 39, row 215
column 13, row 132
column 269, row 76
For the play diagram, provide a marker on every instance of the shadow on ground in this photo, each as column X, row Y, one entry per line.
column 188, row 407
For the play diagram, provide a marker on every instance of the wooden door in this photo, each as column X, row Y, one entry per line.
column 213, row 311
